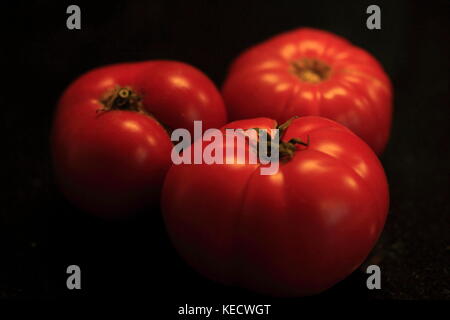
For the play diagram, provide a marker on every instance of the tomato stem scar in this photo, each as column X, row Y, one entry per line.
column 310, row 70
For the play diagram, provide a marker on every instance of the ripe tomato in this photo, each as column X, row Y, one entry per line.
column 296, row 232
column 110, row 146
column 312, row 72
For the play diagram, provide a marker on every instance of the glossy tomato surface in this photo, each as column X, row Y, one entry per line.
column 110, row 141
column 293, row 233
column 312, row 72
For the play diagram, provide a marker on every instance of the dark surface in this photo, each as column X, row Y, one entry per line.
column 41, row 234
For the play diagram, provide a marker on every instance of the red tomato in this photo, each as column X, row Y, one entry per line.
column 312, row 72
column 296, row 232
column 110, row 146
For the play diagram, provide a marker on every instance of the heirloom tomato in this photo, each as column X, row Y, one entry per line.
column 312, row 72
column 110, row 141
column 296, row 232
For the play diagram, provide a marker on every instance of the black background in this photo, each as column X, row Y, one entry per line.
column 41, row 234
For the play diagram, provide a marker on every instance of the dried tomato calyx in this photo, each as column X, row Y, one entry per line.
column 310, row 70
column 286, row 149
column 121, row 98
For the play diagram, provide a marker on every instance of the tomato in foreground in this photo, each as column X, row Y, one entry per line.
column 293, row 233
column 312, row 72
column 110, row 142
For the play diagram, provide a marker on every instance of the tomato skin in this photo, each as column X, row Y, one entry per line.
column 112, row 163
column 294, row 233
column 356, row 93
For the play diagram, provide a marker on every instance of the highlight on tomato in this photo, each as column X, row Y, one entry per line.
column 110, row 141
column 312, row 72
column 296, row 232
